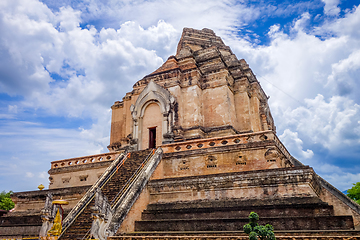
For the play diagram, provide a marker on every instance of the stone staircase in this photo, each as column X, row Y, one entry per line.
column 307, row 213
column 82, row 224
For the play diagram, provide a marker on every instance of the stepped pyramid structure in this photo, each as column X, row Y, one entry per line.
column 193, row 150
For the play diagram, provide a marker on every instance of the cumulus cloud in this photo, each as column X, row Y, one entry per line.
column 343, row 78
column 219, row 15
column 331, row 7
column 93, row 66
column 332, row 130
column 346, row 26
column 333, row 124
column 295, row 144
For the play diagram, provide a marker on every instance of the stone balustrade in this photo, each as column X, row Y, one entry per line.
column 84, row 160
column 225, row 141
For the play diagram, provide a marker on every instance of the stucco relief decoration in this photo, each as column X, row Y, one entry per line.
column 271, row 155
column 211, row 161
column 66, row 179
column 241, row 159
column 183, row 164
column 153, row 93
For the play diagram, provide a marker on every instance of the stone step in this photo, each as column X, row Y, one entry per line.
column 124, row 173
column 236, row 224
column 220, row 235
column 20, row 220
column 242, row 233
column 232, row 203
column 82, row 224
column 231, row 238
column 231, row 210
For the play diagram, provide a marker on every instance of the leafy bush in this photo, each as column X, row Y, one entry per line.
column 5, row 201
column 257, row 231
column 354, row 192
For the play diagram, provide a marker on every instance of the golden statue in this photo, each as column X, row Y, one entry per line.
column 56, row 228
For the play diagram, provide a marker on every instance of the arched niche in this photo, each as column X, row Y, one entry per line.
column 153, row 94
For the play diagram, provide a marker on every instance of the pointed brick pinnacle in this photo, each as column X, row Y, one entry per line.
column 199, row 39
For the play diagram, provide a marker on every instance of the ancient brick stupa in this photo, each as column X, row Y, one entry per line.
column 193, row 150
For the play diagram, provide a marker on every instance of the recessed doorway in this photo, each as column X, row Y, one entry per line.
column 152, row 137
column 151, row 127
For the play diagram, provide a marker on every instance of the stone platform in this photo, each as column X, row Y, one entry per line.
column 293, row 200
column 237, row 235
column 308, row 213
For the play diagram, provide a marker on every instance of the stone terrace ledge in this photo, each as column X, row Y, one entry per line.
column 240, row 235
column 226, row 141
column 104, row 157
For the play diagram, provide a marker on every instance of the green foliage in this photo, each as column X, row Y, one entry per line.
column 247, row 228
column 253, row 217
column 354, row 192
column 253, row 236
column 256, row 231
column 5, row 201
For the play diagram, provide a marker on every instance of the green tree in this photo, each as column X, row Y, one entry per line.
column 5, row 201
column 257, row 231
column 354, row 192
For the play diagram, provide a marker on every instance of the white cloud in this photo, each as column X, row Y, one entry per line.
column 295, row 144
column 69, row 19
column 219, row 15
column 43, row 175
column 346, row 26
column 340, row 179
column 332, row 124
column 331, row 7
column 343, row 78
column 29, row 175
column 12, row 108
column 110, row 60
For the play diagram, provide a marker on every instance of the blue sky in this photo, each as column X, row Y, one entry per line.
column 64, row 63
